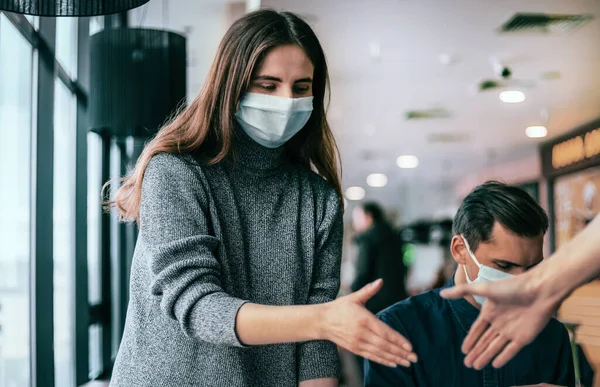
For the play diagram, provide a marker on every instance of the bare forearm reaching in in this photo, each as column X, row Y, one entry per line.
column 517, row 309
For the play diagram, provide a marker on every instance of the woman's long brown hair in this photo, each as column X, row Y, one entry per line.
column 208, row 123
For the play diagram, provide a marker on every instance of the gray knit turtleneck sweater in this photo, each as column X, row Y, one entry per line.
column 258, row 229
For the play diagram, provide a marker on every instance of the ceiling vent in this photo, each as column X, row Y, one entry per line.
column 550, row 75
column 489, row 84
column 447, row 138
column 427, row 113
column 368, row 155
column 545, row 23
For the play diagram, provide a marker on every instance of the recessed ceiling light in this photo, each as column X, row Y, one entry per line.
column 375, row 50
column 355, row 193
column 407, row 161
column 445, row 59
column 370, row 130
column 536, row 131
column 377, row 180
column 512, row 96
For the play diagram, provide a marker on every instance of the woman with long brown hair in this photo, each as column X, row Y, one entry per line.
column 237, row 263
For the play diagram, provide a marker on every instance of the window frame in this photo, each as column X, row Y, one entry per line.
column 46, row 70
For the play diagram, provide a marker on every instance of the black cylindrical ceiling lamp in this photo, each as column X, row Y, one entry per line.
column 69, row 7
column 137, row 80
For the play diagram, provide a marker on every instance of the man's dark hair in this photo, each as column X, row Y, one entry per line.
column 374, row 210
column 492, row 202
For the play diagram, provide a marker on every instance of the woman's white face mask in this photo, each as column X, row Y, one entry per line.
column 271, row 121
column 486, row 273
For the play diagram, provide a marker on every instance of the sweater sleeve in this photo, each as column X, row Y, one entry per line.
column 320, row 359
column 180, row 252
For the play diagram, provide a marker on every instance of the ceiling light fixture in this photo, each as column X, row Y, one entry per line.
column 512, row 96
column 122, row 104
column 375, row 50
column 355, row 193
column 536, row 131
column 69, row 7
column 377, row 180
column 407, row 161
column 370, row 130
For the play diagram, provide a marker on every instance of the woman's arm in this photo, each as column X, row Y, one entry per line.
column 176, row 242
column 186, row 279
column 344, row 321
column 517, row 309
column 573, row 265
column 323, row 382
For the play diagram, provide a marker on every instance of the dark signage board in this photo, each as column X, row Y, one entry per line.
column 567, row 164
column 577, row 150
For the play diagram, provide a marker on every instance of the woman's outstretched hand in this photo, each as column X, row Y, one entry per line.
column 350, row 325
column 516, row 311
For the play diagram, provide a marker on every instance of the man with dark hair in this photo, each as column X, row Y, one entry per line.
column 498, row 233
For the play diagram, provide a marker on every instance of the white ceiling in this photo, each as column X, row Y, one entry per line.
column 408, row 75
column 374, row 93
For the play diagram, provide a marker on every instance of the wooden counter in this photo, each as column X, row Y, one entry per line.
column 583, row 307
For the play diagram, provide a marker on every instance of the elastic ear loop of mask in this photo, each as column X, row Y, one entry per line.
column 472, row 256
column 469, row 250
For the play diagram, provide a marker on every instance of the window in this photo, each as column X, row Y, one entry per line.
column 64, row 233
column 66, row 44
column 96, row 24
column 94, row 213
column 34, row 20
column 15, row 223
column 24, row 78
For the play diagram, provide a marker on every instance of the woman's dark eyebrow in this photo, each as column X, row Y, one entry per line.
column 275, row 79
column 267, row 78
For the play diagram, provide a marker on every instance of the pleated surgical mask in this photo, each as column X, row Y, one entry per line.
column 271, row 121
column 486, row 273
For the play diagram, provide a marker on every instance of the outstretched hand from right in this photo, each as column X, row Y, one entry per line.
column 351, row 326
column 515, row 312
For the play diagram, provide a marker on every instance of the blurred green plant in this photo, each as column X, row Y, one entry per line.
column 572, row 328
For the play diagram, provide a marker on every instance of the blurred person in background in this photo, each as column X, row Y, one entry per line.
column 448, row 266
column 379, row 256
column 237, row 263
column 498, row 233
column 444, row 274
